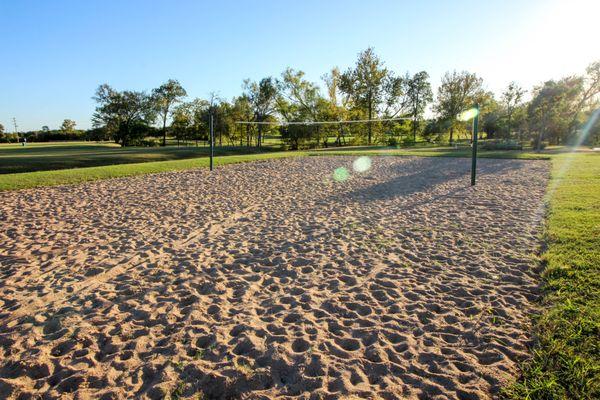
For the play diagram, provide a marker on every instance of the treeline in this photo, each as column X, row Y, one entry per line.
column 556, row 112
column 66, row 131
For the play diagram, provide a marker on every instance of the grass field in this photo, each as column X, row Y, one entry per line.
column 54, row 156
column 566, row 362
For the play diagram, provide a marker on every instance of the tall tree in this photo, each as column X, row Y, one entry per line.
column 242, row 111
column 126, row 114
column 303, row 94
column 262, row 95
column 551, row 108
column 1, row 129
column 337, row 103
column 457, row 92
column 182, row 121
column 419, row 95
column 68, row 126
column 364, row 83
column 165, row 97
column 589, row 94
column 512, row 98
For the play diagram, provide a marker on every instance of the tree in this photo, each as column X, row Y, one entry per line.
column 126, row 114
column 45, row 129
column 419, row 94
column 182, row 121
column 165, row 96
column 511, row 100
column 262, row 96
column 242, row 111
column 590, row 92
column 190, row 120
column 68, row 126
column 302, row 94
column 1, row 130
column 364, row 83
column 489, row 110
column 550, row 110
column 337, row 103
column 490, row 115
column 457, row 92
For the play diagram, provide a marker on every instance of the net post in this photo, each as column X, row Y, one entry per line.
column 212, row 141
column 474, row 146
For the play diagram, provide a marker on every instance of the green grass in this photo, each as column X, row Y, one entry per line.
column 566, row 360
column 77, row 175
column 67, row 155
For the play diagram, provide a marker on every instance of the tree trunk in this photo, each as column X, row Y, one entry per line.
column 415, row 115
column 451, row 135
column 414, row 129
column 370, row 116
column 164, row 132
column 259, row 135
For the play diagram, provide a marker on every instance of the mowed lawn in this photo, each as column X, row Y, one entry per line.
column 54, row 156
column 566, row 358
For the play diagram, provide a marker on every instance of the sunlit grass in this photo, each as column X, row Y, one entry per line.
column 566, row 360
column 78, row 175
column 67, row 155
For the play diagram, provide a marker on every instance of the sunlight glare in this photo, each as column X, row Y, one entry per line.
column 341, row 174
column 362, row 164
column 468, row 114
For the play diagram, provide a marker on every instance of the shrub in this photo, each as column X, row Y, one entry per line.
column 501, row 145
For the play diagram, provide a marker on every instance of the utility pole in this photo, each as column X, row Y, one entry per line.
column 16, row 128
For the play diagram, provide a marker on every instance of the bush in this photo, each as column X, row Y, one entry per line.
column 149, row 143
column 534, row 144
column 392, row 141
column 501, row 145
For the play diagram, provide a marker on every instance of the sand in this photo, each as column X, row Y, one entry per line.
column 271, row 280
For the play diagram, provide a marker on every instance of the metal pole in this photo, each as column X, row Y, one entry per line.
column 474, row 144
column 16, row 129
column 212, row 141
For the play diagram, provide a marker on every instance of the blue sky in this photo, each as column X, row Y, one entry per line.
column 55, row 53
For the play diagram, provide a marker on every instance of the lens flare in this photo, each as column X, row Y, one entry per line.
column 362, row 164
column 582, row 135
column 341, row 174
column 468, row 114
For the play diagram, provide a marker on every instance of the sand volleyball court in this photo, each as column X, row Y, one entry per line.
column 273, row 280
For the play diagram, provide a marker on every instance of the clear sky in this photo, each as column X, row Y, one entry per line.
column 56, row 53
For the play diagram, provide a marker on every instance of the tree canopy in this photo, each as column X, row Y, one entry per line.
column 165, row 97
column 366, row 90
